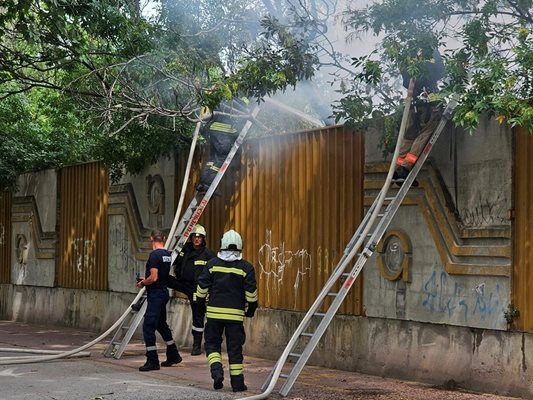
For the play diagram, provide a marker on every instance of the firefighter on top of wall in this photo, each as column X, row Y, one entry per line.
column 229, row 281
column 155, row 317
column 221, row 131
column 424, row 116
column 187, row 267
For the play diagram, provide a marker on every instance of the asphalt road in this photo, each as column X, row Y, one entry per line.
column 92, row 380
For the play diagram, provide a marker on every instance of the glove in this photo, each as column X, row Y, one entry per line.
column 250, row 311
column 199, row 302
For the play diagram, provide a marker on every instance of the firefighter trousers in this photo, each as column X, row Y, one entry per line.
column 235, row 338
column 198, row 311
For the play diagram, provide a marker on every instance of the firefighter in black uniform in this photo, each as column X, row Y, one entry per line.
column 423, row 117
column 187, row 267
column 155, row 317
column 221, row 131
column 229, row 280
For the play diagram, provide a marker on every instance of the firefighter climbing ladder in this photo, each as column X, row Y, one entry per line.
column 372, row 228
column 125, row 331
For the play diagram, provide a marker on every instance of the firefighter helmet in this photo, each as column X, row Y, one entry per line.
column 199, row 230
column 231, row 240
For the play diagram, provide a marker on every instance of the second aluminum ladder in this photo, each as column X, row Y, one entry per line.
column 343, row 278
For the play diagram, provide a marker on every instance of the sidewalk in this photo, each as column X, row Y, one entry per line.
column 313, row 383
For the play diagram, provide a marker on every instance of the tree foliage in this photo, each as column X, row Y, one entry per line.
column 487, row 48
column 132, row 86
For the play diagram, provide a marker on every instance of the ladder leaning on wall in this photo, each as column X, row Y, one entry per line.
column 367, row 236
column 192, row 214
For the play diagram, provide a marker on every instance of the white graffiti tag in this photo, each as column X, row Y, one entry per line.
column 82, row 250
column 274, row 261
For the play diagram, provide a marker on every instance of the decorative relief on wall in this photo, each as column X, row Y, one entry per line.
column 394, row 255
column 156, row 200
column 21, row 249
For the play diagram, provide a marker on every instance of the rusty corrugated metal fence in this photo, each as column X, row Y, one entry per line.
column 83, row 227
column 5, row 237
column 523, row 230
column 296, row 199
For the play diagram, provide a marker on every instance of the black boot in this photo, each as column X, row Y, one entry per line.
column 152, row 362
column 401, row 174
column 137, row 306
column 217, row 373
column 237, row 383
column 173, row 356
column 197, row 344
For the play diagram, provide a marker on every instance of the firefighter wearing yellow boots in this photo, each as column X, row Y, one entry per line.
column 230, row 283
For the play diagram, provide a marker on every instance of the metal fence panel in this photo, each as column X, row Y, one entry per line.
column 83, row 227
column 296, row 199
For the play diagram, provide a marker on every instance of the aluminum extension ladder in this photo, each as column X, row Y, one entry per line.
column 127, row 328
column 302, row 338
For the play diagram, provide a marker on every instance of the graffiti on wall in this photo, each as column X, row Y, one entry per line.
column 82, row 250
column 275, row 260
column 120, row 245
column 486, row 211
column 445, row 295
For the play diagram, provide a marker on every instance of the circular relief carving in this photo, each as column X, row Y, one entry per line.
column 394, row 255
column 156, row 194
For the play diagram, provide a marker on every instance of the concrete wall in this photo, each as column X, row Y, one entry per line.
column 136, row 206
column 476, row 171
column 477, row 359
column 435, row 325
column 34, row 218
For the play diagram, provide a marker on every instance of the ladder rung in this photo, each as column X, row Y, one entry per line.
column 332, row 294
column 389, row 198
column 125, row 327
column 306, row 334
column 346, row 274
column 297, row 355
column 319, row 314
column 381, row 215
column 116, row 343
column 284, row 376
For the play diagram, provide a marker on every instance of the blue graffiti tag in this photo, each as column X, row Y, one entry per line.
column 439, row 298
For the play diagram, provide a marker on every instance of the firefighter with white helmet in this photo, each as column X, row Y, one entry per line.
column 187, row 267
column 229, row 280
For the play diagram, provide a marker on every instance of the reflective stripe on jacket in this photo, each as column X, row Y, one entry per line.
column 230, row 286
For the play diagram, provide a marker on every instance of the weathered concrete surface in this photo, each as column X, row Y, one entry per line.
column 477, row 359
column 482, row 360
column 109, row 379
column 34, row 218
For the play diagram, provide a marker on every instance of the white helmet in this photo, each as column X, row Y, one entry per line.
column 231, row 240
column 199, row 230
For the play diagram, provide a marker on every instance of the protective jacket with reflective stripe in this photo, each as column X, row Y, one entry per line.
column 190, row 262
column 231, row 285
